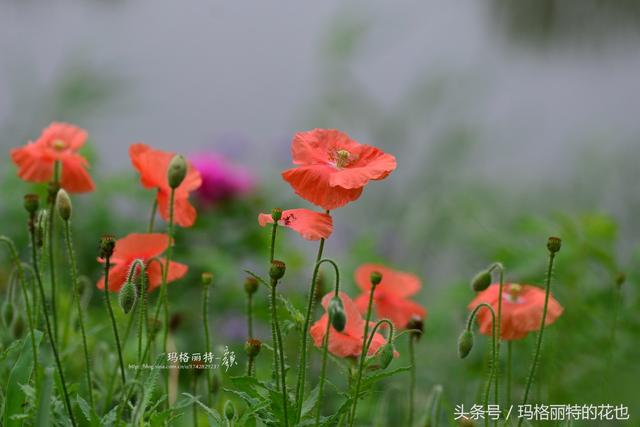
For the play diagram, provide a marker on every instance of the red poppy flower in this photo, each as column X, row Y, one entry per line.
column 58, row 142
column 522, row 307
column 309, row 224
column 152, row 166
column 347, row 343
column 333, row 168
column 140, row 246
column 390, row 296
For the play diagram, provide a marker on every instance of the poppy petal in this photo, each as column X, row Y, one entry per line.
column 312, row 184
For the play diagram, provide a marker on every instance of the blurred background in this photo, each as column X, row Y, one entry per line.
column 511, row 121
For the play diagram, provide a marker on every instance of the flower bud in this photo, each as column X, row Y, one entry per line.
column 620, row 279
column 250, row 285
column 107, row 245
column 276, row 214
column 554, row 244
column 416, row 325
column 336, row 314
column 385, row 355
column 127, row 297
column 466, row 422
column 481, row 281
column 465, row 343
column 229, row 410
column 31, row 203
column 7, row 313
column 252, row 347
column 41, row 226
column 376, row 278
column 276, row 272
column 18, row 327
column 177, row 171
column 206, row 278
column 63, row 204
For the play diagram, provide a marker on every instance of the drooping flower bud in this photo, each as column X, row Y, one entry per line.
column 63, row 203
column 416, row 325
column 250, row 285
column 229, row 410
column 481, row 281
column 375, row 278
column 277, row 270
column 206, row 278
column 554, row 244
column 465, row 343
column 107, row 245
column 252, row 347
column 31, row 203
column 127, row 297
column 7, row 313
column 385, row 355
column 276, row 214
column 337, row 314
column 177, row 171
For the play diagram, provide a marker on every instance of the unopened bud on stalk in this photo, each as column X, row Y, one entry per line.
column 18, row 327
column 336, row 314
column 127, row 297
column 620, row 279
column 376, row 278
column 416, row 325
column 177, row 171
column 229, row 410
column 481, row 281
column 252, row 347
column 554, row 244
column 465, row 343
column 7, row 313
column 63, row 203
column 206, row 278
column 277, row 270
column 107, row 245
column 41, row 226
column 31, row 203
column 385, row 355
column 250, row 285
column 276, row 214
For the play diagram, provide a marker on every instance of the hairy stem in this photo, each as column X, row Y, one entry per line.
column 278, row 339
column 412, row 384
column 114, row 326
column 50, row 246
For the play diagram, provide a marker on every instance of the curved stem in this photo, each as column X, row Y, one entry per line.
column 472, row 316
column 536, row 355
column 283, row 380
column 77, row 298
column 50, row 334
column 412, row 384
column 114, row 326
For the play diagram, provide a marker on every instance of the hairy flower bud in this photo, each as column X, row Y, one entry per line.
column 276, row 214
column 107, row 245
column 63, row 203
column 229, row 410
column 127, row 297
column 465, row 343
column 31, row 203
column 385, row 355
column 206, row 278
column 554, row 244
column 252, row 347
column 336, row 314
column 481, row 281
column 250, row 285
column 277, row 270
column 177, row 171
column 416, row 325
column 376, row 278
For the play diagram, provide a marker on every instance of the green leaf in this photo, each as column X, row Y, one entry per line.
column 20, row 374
column 43, row 413
column 88, row 413
column 310, row 402
column 370, row 380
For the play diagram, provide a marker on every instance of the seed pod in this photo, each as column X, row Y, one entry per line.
column 465, row 343
column 250, row 285
column 229, row 410
column 107, row 246
column 336, row 314
column 127, row 297
column 7, row 313
column 276, row 214
column 63, row 203
column 31, row 203
column 481, row 281
column 416, row 325
column 376, row 278
column 554, row 244
column 206, row 278
column 277, row 270
column 177, row 171
column 252, row 347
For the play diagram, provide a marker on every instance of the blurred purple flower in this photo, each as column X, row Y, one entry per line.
column 220, row 179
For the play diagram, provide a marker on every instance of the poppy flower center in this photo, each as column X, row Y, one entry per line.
column 342, row 158
column 513, row 293
column 59, row 145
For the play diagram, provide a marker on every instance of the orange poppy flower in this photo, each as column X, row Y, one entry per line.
column 333, row 168
column 347, row 343
column 390, row 296
column 58, row 142
column 522, row 307
column 140, row 246
column 309, row 224
column 152, row 166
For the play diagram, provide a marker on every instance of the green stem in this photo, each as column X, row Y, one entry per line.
column 77, row 298
column 304, row 339
column 412, row 385
column 498, row 335
column 207, row 341
column 325, row 343
column 13, row 252
column 142, row 292
column 274, row 336
column 52, row 272
column 152, row 219
column 112, row 376
column 509, row 350
column 250, row 331
column 50, row 335
column 114, row 326
column 536, row 355
column 165, row 273
column 278, row 339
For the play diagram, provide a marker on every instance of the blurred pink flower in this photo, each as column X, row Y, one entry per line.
column 220, row 179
